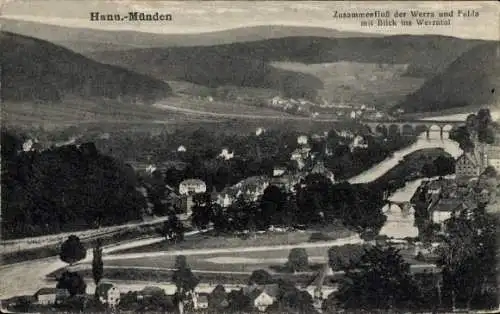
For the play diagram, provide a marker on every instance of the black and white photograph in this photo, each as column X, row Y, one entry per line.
column 226, row 157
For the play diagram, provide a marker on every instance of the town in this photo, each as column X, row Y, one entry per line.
column 303, row 195
column 256, row 157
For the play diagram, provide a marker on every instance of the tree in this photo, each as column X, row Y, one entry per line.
column 200, row 218
column 260, row 277
column 380, row 280
column 72, row 250
column 444, row 165
column 461, row 135
column 298, row 260
column 183, row 277
column 345, row 256
column 467, row 256
column 490, row 172
column 97, row 264
column 173, row 229
column 73, row 282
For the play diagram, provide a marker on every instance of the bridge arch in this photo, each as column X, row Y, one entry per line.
column 422, row 128
column 435, row 130
column 446, row 130
column 394, row 129
column 382, row 129
column 407, row 129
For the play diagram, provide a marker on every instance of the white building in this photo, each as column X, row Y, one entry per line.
column 108, row 294
column 224, row 200
column 181, row 149
column 192, row 186
column 302, row 140
column 358, row 142
column 278, row 171
column 267, row 296
column 50, row 295
column 226, row 155
column 260, row 131
column 493, row 156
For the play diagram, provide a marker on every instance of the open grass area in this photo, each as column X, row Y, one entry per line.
column 354, row 82
column 210, row 240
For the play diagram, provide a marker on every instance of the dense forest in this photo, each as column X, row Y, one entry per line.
column 64, row 189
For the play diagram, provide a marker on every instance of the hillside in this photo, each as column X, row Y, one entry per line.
column 86, row 40
column 253, row 64
column 36, row 71
column 472, row 80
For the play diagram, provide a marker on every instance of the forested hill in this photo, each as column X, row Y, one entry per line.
column 35, row 70
column 64, row 189
column 471, row 80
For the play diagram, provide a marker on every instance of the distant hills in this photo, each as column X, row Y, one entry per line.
column 473, row 79
column 86, row 40
column 34, row 70
column 249, row 63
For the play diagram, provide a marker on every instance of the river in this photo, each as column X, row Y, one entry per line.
column 401, row 224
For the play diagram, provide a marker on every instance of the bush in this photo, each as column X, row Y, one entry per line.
column 298, row 260
column 319, row 236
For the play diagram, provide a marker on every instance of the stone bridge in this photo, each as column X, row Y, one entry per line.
column 404, row 207
column 411, row 127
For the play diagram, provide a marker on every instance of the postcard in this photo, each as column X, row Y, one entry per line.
column 249, row 156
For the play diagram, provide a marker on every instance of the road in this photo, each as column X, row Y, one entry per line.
column 27, row 277
column 239, row 116
column 35, row 242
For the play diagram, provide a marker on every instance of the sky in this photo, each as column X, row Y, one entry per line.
column 206, row 16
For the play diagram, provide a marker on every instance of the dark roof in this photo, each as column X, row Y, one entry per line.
column 103, row 288
column 272, row 290
column 46, row 290
column 448, row 205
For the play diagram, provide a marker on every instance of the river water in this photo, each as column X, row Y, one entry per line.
column 401, row 224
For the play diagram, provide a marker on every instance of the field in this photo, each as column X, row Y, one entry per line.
column 359, row 83
column 211, row 241
column 203, row 106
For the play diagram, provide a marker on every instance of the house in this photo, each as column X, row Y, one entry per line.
column 260, row 131
column 302, row 140
column 358, row 142
column 468, row 165
column 50, row 295
column 218, row 298
column 493, row 157
column 192, row 186
column 226, row 155
column 108, row 294
column 319, row 168
column 224, row 200
column 200, row 301
column 181, row 149
column 264, row 296
column 444, row 209
column 278, row 171
column 150, row 169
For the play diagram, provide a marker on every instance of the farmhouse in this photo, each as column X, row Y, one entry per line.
column 192, row 186
column 50, row 295
column 108, row 294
